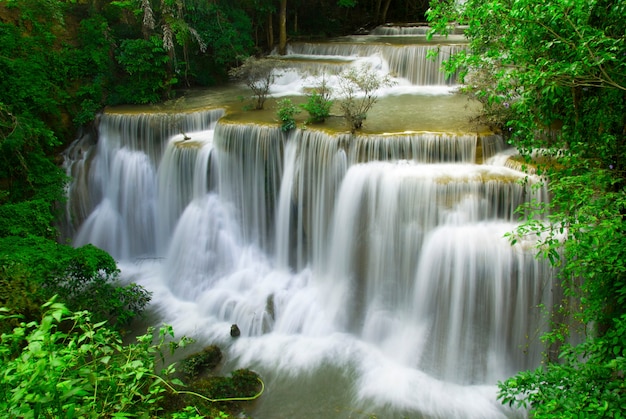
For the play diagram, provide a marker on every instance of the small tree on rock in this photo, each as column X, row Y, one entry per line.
column 319, row 102
column 258, row 74
column 286, row 113
column 358, row 87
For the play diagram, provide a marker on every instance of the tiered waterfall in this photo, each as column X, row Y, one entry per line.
column 369, row 274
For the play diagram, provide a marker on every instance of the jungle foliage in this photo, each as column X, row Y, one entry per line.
column 65, row 365
column 41, row 90
column 49, row 372
column 552, row 78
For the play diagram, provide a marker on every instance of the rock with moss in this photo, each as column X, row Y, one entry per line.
column 212, row 396
column 202, row 362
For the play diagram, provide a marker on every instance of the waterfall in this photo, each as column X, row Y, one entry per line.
column 410, row 29
column 123, row 222
column 409, row 62
column 369, row 274
column 117, row 182
column 424, row 147
column 250, row 168
column 401, row 30
column 184, row 174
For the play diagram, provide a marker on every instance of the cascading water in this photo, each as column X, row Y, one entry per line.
column 116, row 186
column 368, row 274
column 406, row 61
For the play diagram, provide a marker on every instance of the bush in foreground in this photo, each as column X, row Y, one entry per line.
column 66, row 366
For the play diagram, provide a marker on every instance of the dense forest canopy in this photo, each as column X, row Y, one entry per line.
column 551, row 76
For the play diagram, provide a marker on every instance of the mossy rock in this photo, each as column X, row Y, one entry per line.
column 202, row 362
column 241, row 383
column 229, row 393
column 210, row 395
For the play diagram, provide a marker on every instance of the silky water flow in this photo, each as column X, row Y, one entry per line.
column 369, row 274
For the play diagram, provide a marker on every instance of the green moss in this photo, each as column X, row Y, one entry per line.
column 202, row 362
column 211, row 395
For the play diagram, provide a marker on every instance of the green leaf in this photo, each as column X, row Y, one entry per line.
column 177, row 382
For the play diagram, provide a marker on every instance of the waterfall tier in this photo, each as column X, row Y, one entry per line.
column 410, row 62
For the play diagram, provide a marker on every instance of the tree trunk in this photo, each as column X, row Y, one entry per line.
column 282, row 21
column 377, row 11
column 295, row 23
column 383, row 18
column 270, row 31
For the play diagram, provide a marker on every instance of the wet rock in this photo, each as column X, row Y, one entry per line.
column 234, row 331
column 202, row 362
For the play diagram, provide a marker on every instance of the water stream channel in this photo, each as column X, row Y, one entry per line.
column 369, row 274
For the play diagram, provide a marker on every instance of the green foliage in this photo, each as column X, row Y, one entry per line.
column 201, row 39
column 91, row 67
column 145, row 76
column 24, row 167
column 27, row 218
column 258, row 74
column 357, row 87
column 17, row 292
column 227, row 32
column 347, row 3
column 286, row 114
column 587, row 383
column 67, row 366
column 552, row 76
column 84, row 278
column 32, row 74
column 37, row 88
column 191, row 412
column 30, row 96
column 319, row 103
column 318, row 108
column 49, row 70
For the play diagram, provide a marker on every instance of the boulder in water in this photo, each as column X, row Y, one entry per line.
column 234, row 331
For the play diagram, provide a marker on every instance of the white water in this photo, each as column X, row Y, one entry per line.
column 368, row 275
column 406, row 62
